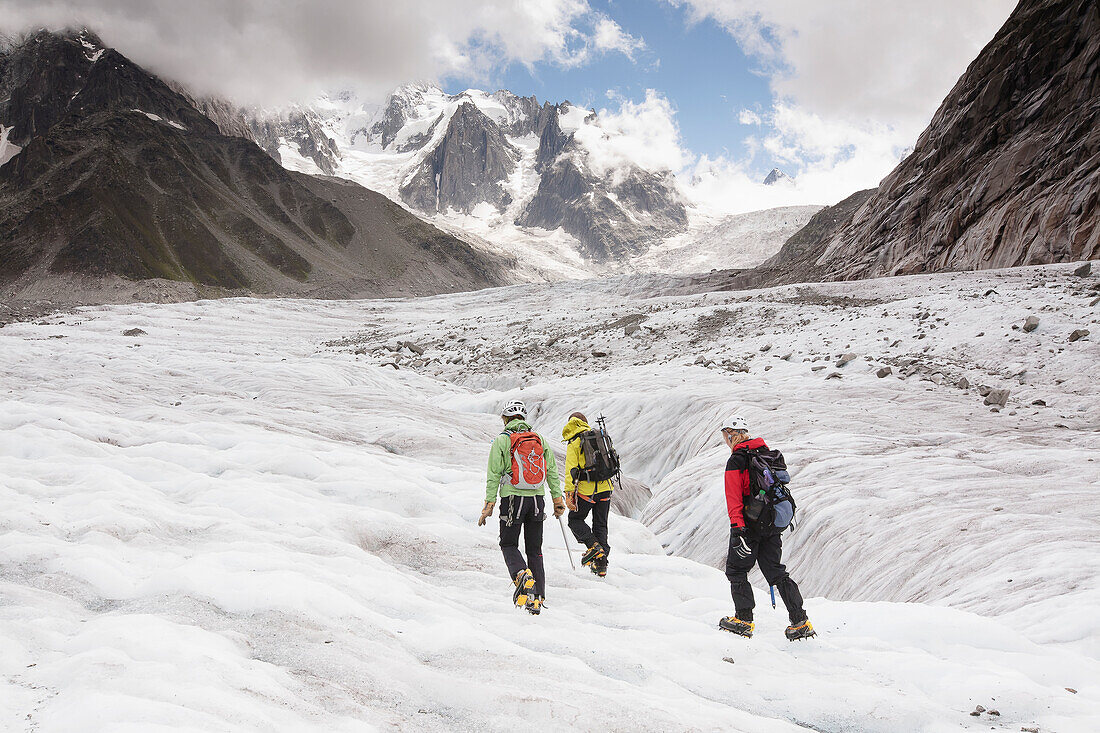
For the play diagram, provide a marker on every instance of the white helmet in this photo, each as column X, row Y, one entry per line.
column 736, row 422
column 515, row 407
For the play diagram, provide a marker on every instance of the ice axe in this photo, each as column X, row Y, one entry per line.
column 570, row 552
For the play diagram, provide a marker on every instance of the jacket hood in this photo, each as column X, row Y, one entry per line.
column 517, row 425
column 751, row 444
column 573, row 428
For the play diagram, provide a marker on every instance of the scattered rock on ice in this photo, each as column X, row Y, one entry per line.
column 964, row 383
column 1039, row 403
column 631, row 328
column 414, row 348
column 1083, row 270
column 845, row 359
column 1031, row 324
column 884, row 372
column 834, row 375
column 139, row 332
column 1029, row 729
column 599, row 353
column 1078, row 334
column 997, row 397
column 983, row 390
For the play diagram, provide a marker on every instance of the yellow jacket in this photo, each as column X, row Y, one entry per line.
column 574, row 458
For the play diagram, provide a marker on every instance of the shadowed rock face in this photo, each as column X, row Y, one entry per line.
column 552, row 141
column 119, row 175
column 1008, row 171
column 466, row 168
column 609, row 227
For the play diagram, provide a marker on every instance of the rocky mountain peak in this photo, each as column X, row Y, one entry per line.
column 50, row 77
column 466, row 168
column 777, row 177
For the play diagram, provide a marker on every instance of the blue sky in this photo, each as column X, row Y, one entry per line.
column 698, row 67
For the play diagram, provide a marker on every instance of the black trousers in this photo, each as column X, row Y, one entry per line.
column 525, row 513
column 768, row 551
column 600, row 506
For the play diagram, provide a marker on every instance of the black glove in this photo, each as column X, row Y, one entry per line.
column 738, row 544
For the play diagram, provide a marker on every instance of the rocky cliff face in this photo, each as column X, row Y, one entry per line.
column 466, row 168
column 1008, row 171
column 119, row 175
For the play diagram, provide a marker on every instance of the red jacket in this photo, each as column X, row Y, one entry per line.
column 737, row 480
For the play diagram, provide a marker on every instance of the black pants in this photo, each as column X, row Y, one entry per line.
column 768, row 551
column 599, row 507
column 525, row 513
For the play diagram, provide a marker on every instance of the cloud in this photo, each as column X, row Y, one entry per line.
column 748, row 117
column 643, row 133
column 859, row 59
column 609, row 36
column 272, row 52
column 853, row 82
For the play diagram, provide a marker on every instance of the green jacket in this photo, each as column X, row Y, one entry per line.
column 500, row 465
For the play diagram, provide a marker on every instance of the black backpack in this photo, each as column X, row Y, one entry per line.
column 769, row 503
column 601, row 460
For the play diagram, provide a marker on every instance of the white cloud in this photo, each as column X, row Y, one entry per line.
column 644, row 133
column 609, row 36
column 860, row 59
column 854, row 82
column 272, row 52
column 748, row 117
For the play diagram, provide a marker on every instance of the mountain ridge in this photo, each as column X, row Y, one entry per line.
column 120, row 176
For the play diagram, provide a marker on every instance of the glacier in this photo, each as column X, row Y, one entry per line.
column 255, row 514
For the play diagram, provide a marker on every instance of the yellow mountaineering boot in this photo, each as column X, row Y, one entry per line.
column 735, row 625
column 803, row 630
column 525, row 588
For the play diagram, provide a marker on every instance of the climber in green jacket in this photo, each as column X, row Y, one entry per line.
column 521, row 465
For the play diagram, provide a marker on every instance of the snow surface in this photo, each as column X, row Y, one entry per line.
column 8, row 150
column 738, row 241
column 241, row 520
column 158, row 118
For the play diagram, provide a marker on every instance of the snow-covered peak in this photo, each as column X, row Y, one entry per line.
column 778, row 177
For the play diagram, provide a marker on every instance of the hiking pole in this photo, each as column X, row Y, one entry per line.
column 570, row 552
column 772, row 589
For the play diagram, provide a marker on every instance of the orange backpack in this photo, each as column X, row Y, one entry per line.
column 528, row 461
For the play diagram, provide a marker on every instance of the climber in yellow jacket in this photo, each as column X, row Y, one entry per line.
column 584, row 497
